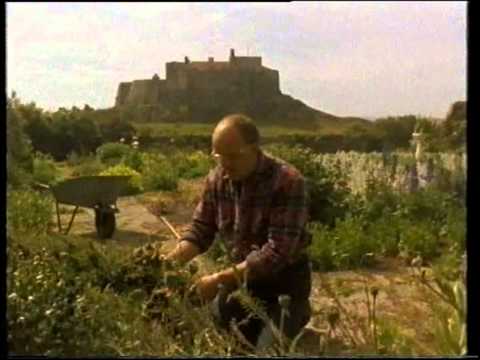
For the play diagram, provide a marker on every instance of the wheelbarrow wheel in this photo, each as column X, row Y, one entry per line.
column 105, row 224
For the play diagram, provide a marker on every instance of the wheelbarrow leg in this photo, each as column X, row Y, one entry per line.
column 71, row 220
column 58, row 218
column 104, row 223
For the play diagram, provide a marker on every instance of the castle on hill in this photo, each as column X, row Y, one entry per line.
column 240, row 77
column 204, row 91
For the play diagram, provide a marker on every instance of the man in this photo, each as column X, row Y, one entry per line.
column 258, row 204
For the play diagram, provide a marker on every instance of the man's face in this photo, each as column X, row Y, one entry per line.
column 229, row 149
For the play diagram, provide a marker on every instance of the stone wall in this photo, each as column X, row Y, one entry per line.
column 122, row 93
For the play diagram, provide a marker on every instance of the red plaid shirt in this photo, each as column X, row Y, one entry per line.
column 261, row 219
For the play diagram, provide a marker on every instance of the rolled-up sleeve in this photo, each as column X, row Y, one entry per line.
column 288, row 218
column 203, row 227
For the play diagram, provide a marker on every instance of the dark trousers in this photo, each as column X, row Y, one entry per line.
column 294, row 281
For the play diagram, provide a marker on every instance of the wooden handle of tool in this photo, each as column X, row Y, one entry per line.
column 170, row 227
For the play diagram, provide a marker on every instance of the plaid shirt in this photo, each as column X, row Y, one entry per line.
column 260, row 219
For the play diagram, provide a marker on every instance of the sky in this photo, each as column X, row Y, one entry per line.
column 366, row 59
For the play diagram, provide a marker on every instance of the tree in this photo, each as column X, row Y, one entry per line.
column 87, row 135
column 41, row 135
column 361, row 138
column 19, row 149
column 113, row 130
column 454, row 127
column 396, row 132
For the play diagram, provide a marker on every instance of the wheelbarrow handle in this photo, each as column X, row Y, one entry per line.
column 40, row 186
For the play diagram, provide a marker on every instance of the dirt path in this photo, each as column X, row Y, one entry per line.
column 398, row 300
column 136, row 223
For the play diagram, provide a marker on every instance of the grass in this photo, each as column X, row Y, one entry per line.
column 182, row 129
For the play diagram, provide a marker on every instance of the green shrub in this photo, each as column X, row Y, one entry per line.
column 159, row 173
column 134, row 184
column 192, row 165
column 134, row 160
column 57, row 311
column 345, row 246
column 454, row 230
column 427, row 205
column 113, row 153
column 379, row 198
column 45, row 170
column 321, row 249
column 19, row 147
column 419, row 238
column 385, row 232
column 89, row 166
column 17, row 176
column 28, row 211
column 60, row 302
column 353, row 243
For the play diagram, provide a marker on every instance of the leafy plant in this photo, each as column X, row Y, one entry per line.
column 28, row 211
column 45, row 170
column 89, row 166
column 135, row 185
column 159, row 173
column 445, row 293
column 134, row 160
column 19, row 148
column 193, row 164
column 112, row 153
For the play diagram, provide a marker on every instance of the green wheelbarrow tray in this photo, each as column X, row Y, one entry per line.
column 97, row 192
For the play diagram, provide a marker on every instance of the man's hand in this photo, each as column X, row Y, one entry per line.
column 207, row 287
column 183, row 252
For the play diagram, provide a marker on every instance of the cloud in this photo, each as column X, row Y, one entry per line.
column 352, row 58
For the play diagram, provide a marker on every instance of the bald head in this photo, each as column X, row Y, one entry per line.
column 235, row 143
column 238, row 125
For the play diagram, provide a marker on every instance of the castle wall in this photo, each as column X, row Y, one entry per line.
column 267, row 82
column 141, row 92
column 176, row 75
column 247, row 62
column 241, row 83
column 209, row 81
column 122, row 93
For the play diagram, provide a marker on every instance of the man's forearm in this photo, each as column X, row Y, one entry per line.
column 231, row 277
column 184, row 252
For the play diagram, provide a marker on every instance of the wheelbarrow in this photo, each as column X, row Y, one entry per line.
column 99, row 193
